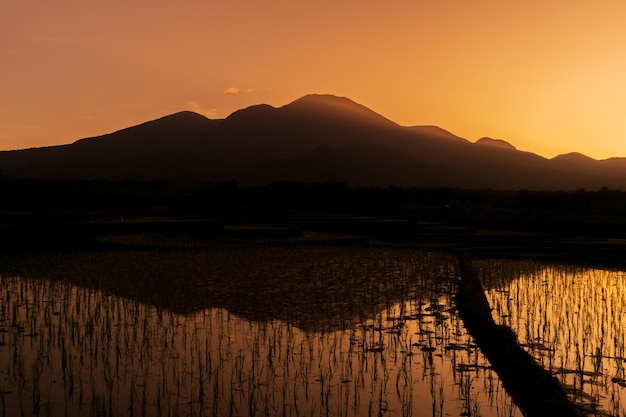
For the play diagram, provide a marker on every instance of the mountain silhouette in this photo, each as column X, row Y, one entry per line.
column 495, row 142
column 314, row 138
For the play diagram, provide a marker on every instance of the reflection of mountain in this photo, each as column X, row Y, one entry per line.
column 313, row 288
column 314, row 138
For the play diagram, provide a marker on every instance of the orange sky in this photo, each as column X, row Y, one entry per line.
column 549, row 77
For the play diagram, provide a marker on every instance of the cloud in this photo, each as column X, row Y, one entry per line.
column 232, row 90
column 235, row 90
column 210, row 112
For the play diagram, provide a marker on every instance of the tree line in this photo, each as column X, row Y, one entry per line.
column 596, row 211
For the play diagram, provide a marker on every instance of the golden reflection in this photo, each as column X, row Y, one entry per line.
column 69, row 350
column 571, row 319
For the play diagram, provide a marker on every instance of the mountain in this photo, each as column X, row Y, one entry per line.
column 495, row 142
column 314, row 138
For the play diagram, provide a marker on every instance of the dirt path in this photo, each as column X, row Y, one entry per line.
column 532, row 388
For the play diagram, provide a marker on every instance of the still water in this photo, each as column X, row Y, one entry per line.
column 573, row 322
column 291, row 331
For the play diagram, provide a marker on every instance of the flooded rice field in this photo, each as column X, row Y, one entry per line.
column 292, row 331
column 572, row 320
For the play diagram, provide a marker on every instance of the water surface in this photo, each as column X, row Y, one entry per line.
column 290, row 331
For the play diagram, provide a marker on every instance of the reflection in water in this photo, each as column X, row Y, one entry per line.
column 70, row 350
column 536, row 391
column 313, row 288
column 571, row 320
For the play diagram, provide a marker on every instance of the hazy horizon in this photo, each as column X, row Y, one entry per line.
column 547, row 78
column 483, row 139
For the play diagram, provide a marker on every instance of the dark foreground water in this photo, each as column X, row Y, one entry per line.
column 292, row 331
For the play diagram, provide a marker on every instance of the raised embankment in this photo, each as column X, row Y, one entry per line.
column 534, row 390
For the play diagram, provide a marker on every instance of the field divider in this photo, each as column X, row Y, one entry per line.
column 533, row 389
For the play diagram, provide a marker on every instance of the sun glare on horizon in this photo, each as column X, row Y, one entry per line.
column 546, row 78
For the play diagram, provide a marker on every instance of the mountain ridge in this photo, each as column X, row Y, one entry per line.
column 314, row 138
column 486, row 141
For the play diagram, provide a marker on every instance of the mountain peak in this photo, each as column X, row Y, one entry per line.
column 179, row 120
column 326, row 99
column 329, row 106
column 318, row 137
column 158, row 130
column 188, row 114
column 256, row 111
column 573, row 157
column 498, row 143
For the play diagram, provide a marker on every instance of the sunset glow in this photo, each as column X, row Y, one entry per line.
column 547, row 77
